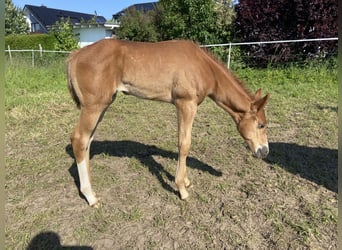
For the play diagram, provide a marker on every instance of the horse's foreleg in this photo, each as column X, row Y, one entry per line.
column 186, row 113
column 81, row 139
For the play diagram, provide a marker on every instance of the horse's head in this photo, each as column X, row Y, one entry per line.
column 253, row 125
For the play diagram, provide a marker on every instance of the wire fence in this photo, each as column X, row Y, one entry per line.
column 34, row 57
column 230, row 52
column 241, row 56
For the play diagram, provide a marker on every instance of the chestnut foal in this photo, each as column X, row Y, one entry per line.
column 177, row 72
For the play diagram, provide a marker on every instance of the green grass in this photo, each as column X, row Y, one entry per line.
column 288, row 201
column 33, row 85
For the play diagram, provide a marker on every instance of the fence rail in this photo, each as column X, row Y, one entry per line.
column 230, row 44
column 32, row 53
column 274, row 42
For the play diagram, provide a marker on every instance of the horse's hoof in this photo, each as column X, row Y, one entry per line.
column 96, row 203
column 183, row 194
column 187, row 183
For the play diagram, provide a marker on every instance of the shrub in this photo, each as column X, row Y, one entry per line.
column 272, row 20
column 30, row 41
column 66, row 40
column 137, row 26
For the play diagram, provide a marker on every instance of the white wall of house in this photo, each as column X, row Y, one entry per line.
column 90, row 35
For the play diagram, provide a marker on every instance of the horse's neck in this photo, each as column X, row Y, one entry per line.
column 230, row 95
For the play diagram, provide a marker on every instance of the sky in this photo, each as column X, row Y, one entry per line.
column 104, row 8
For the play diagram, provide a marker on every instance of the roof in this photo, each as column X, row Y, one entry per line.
column 144, row 7
column 48, row 16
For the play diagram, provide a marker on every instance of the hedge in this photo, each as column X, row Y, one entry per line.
column 31, row 41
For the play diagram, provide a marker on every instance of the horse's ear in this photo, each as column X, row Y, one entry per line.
column 257, row 95
column 260, row 103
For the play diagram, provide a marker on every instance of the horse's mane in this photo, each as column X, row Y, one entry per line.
column 230, row 73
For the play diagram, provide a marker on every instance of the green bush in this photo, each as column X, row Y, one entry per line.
column 66, row 40
column 30, row 41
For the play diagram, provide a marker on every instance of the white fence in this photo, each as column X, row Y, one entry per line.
column 34, row 55
column 31, row 54
column 230, row 45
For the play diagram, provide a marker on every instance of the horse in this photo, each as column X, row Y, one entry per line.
column 178, row 72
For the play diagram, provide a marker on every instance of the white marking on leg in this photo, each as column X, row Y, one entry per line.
column 85, row 185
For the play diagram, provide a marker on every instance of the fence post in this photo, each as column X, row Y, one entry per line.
column 10, row 54
column 40, row 50
column 229, row 51
column 32, row 58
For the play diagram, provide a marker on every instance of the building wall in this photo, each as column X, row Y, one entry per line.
column 90, row 35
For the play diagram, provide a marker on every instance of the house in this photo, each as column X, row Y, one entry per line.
column 41, row 18
column 144, row 7
column 90, row 33
column 90, row 27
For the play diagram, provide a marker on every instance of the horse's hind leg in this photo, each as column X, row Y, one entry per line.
column 81, row 139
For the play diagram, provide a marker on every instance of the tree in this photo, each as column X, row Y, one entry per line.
column 265, row 20
column 66, row 39
column 138, row 26
column 187, row 19
column 225, row 14
column 204, row 21
column 15, row 21
column 225, row 17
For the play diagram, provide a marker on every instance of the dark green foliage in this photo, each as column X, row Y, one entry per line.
column 30, row 41
column 188, row 19
column 138, row 26
column 225, row 13
column 204, row 21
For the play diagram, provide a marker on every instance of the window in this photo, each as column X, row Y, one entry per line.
column 35, row 27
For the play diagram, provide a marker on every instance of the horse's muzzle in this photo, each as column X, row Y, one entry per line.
column 261, row 152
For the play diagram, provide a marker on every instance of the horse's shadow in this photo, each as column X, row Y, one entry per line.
column 143, row 153
column 319, row 165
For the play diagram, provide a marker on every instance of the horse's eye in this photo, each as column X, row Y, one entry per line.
column 261, row 125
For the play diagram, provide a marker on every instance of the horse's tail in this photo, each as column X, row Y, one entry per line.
column 71, row 81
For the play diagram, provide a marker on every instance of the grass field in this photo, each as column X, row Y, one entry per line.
column 288, row 201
